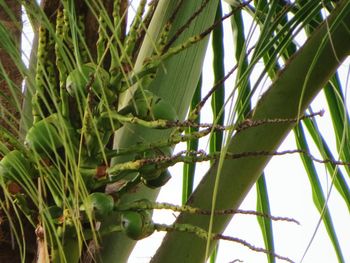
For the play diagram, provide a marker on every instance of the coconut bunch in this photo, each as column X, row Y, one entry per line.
column 67, row 152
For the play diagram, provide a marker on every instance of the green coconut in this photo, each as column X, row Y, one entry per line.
column 43, row 137
column 149, row 106
column 159, row 181
column 137, row 224
column 151, row 170
column 164, row 110
column 79, row 79
column 101, row 203
column 14, row 166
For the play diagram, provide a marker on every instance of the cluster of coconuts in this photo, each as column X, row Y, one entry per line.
column 148, row 106
column 136, row 224
column 16, row 168
column 45, row 137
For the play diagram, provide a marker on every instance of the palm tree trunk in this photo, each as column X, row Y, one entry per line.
column 10, row 17
column 10, row 102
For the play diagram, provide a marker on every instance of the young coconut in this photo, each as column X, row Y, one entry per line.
column 159, row 181
column 163, row 110
column 148, row 106
column 137, row 224
column 79, row 79
column 101, row 204
column 151, row 170
column 15, row 167
column 43, row 137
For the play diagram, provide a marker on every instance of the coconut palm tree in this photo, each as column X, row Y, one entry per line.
column 87, row 145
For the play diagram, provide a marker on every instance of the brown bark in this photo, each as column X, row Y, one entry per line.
column 92, row 25
column 9, row 120
column 9, row 112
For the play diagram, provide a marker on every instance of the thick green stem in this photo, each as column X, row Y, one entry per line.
column 175, row 82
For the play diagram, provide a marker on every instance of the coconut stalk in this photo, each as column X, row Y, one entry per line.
column 175, row 82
